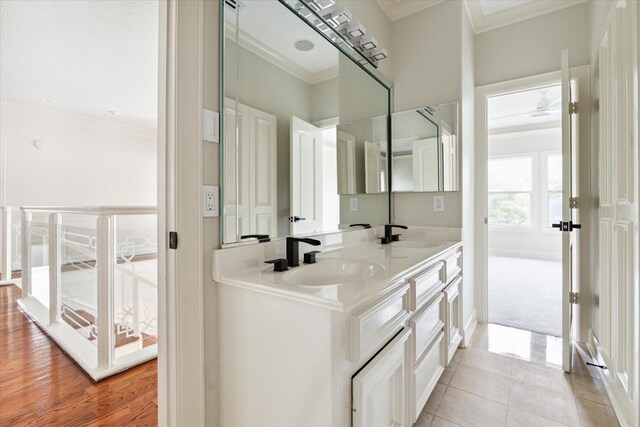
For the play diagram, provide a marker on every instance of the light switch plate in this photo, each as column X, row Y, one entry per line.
column 438, row 203
column 354, row 204
column 210, row 126
column 210, row 198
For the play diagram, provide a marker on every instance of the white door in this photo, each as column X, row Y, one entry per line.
column 570, row 217
column 236, row 172
column 263, row 194
column 306, row 177
column 379, row 389
column 425, row 164
column 374, row 168
column 346, row 154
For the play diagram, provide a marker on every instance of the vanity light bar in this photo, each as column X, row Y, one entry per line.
column 337, row 17
column 318, row 5
column 367, row 43
column 354, row 30
column 378, row 54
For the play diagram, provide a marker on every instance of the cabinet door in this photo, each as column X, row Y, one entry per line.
column 380, row 388
column 453, row 318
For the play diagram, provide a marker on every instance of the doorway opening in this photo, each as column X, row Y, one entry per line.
column 525, row 193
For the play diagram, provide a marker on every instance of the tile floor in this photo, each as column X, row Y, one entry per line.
column 510, row 377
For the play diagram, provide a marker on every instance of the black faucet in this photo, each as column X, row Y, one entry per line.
column 261, row 237
column 293, row 259
column 365, row 226
column 388, row 237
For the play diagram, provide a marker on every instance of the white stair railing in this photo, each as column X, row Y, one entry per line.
column 86, row 247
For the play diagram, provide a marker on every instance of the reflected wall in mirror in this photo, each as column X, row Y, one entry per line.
column 305, row 128
column 425, row 149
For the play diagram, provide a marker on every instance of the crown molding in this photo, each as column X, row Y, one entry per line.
column 263, row 51
column 482, row 23
column 396, row 9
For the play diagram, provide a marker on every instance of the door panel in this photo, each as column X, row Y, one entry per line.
column 306, row 177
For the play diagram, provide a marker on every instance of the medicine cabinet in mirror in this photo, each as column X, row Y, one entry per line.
column 425, row 151
column 305, row 125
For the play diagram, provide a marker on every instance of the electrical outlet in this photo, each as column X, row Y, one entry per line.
column 354, row 204
column 438, row 203
column 210, row 207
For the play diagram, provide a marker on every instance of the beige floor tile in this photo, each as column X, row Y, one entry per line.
column 445, row 378
column 555, row 405
column 589, row 388
column 457, row 355
column 537, row 374
column 469, row 409
column 519, row 418
column 424, row 420
column 441, row 422
column 483, row 383
column 435, row 398
column 486, row 360
column 595, row 414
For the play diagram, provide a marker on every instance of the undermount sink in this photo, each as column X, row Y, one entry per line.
column 415, row 244
column 328, row 272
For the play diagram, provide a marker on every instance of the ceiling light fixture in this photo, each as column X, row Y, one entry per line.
column 113, row 112
column 45, row 100
column 304, row 45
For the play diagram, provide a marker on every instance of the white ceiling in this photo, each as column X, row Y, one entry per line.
column 257, row 18
column 86, row 57
column 527, row 109
column 485, row 15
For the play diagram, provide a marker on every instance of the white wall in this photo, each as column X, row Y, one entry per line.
column 467, row 159
column 86, row 161
column 427, row 67
column 533, row 46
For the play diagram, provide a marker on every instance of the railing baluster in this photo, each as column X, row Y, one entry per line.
column 26, row 253
column 105, row 255
column 55, row 266
column 6, row 243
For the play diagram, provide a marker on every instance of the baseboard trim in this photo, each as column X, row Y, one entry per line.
column 599, row 356
column 469, row 329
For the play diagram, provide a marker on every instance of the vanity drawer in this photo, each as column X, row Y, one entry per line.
column 374, row 325
column 425, row 375
column 453, row 263
column 426, row 325
column 426, row 284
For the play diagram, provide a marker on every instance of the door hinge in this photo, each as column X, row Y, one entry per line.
column 573, row 202
column 173, row 240
column 573, row 298
column 573, row 107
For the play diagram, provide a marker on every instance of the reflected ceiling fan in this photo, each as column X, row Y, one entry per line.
column 544, row 107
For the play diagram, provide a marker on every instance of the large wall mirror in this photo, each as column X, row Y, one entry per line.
column 305, row 125
column 425, row 151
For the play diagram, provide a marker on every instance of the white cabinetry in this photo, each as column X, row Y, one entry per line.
column 287, row 362
column 379, row 389
column 453, row 317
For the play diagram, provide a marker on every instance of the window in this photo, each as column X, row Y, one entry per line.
column 510, row 187
column 554, row 189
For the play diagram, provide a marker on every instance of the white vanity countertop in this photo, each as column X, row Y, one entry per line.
column 244, row 266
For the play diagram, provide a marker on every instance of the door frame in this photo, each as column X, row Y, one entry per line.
column 180, row 272
column 582, row 75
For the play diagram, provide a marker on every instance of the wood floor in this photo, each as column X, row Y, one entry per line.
column 41, row 386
